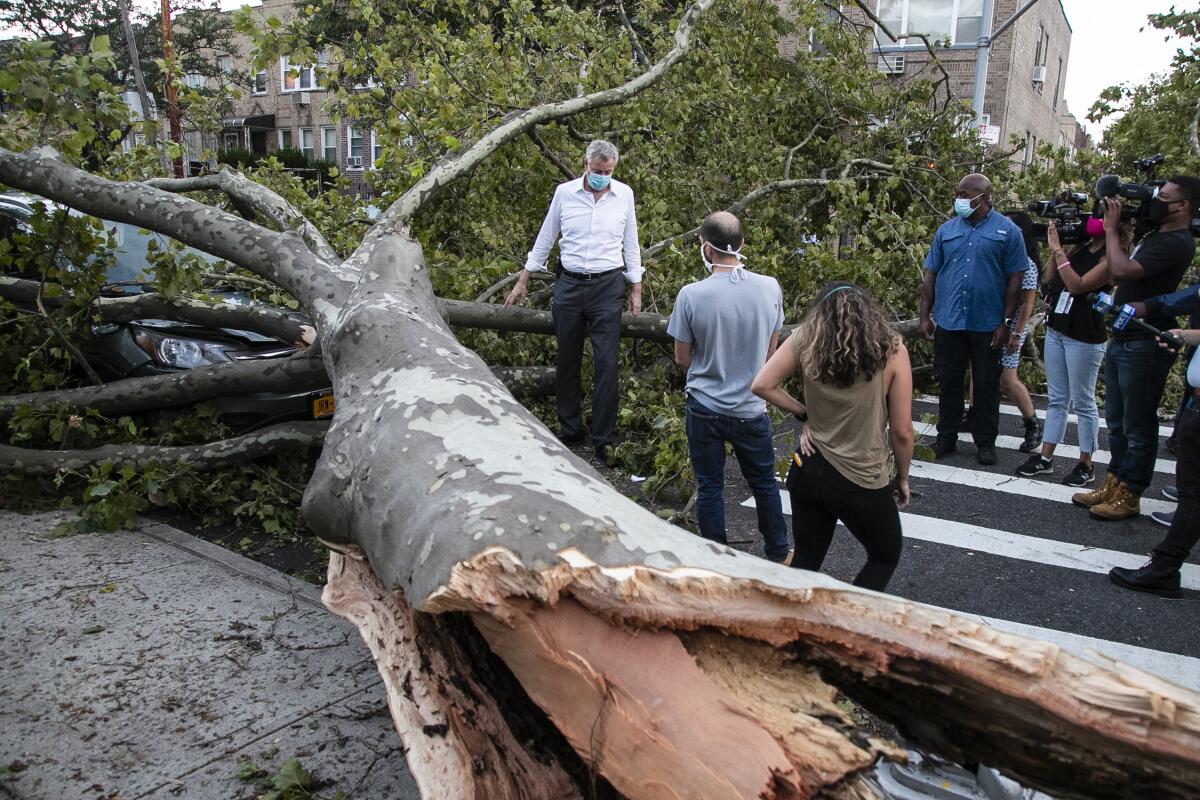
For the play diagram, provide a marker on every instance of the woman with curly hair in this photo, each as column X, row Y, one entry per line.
column 857, row 412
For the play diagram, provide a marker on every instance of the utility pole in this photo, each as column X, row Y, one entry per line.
column 172, row 99
column 983, row 49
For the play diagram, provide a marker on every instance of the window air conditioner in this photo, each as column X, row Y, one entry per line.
column 301, row 98
column 891, row 64
column 1039, row 74
column 354, row 161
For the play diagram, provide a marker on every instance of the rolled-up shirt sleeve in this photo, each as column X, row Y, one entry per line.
column 551, row 227
column 633, row 251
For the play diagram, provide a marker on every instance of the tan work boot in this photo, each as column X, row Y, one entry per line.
column 1122, row 504
column 1097, row 496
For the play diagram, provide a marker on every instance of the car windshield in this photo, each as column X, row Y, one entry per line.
column 131, row 256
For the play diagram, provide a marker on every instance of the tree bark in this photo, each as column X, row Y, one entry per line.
column 284, row 325
column 299, row 373
column 200, row 457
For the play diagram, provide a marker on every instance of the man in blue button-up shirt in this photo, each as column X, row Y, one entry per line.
column 969, row 297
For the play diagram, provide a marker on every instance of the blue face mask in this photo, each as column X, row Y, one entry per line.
column 962, row 205
column 598, row 182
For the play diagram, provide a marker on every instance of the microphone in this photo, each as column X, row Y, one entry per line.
column 1104, row 304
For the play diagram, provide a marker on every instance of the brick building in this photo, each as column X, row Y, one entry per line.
column 1026, row 71
column 286, row 107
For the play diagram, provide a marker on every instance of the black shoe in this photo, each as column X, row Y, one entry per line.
column 944, row 447
column 1171, row 493
column 1082, row 475
column 604, row 454
column 1033, row 436
column 573, row 439
column 1036, row 465
column 985, row 454
column 1154, row 577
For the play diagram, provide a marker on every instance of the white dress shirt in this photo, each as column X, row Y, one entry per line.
column 594, row 232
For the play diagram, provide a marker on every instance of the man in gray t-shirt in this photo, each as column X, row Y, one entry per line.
column 725, row 328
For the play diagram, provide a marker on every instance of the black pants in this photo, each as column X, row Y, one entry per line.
column 820, row 497
column 1185, row 527
column 952, row 351
column 589, row 308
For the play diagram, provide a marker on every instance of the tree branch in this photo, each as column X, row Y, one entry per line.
column 508, row 280
column 281, row 258
column 549, row 155
column 286, row 326
column 445, row 173
column 633, row 38
column 240, row 188
column 237, row 450
column 764, row 191
column 937, row 62
column 298, row 373
column 1194, row 137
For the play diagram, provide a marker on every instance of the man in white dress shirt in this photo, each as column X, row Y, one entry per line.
column 598, row 252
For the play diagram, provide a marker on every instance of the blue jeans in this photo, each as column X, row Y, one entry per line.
column 1071, row 370
column 707, row 433
column 1135, row 372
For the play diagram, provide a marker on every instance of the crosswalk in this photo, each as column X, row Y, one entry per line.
column 1013, row 411
column 1015, row 553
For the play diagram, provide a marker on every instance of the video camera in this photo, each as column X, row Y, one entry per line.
column 1067, row 210
column 1104, row 304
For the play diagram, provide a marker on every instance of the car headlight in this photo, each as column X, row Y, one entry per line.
column 174, row 351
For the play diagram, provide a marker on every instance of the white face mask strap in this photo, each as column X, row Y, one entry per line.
column 737, row 272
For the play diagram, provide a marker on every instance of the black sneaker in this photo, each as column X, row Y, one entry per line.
column 985, row 455
column 1171, row 493
column 944, row 447
column 1036, row 465
column 1082, row 475
column 1033, row 436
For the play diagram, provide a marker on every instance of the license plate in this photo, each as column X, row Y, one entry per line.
column 322, row 406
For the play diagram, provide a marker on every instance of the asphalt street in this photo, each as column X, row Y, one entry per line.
column 1016, row 552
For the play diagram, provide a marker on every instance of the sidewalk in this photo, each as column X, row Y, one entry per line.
column 151, row 664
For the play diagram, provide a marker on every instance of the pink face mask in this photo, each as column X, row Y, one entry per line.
column 1095, row 227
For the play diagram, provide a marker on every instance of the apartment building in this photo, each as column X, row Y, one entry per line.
column 1026, row 70
column 286, row 107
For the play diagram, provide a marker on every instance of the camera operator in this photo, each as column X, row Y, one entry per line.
column 1074, row 347
column 1135, row 368
column 1160, row 575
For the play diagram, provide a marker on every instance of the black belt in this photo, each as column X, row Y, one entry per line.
column 590, row 276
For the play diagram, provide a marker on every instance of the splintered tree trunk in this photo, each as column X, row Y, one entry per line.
column 672, row 666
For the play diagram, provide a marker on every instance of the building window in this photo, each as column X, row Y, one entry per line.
column 230, row 140
column 1057, row 84
column 193, row 80
column 329, row 144
column 302, row 78
column 225, row 64
column 376, row 149
column 285, row 138
column 354, row 148
column 306, row 142
column 260, row 82
column 830, row 16
column 959, row 21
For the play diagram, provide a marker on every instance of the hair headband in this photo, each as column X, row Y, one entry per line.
column 837, row 289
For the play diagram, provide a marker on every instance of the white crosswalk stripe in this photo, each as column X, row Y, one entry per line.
column 1034, row 552
column 1164, row 466
column 1018, row 546
column 1013, row 411
column 1012, row 484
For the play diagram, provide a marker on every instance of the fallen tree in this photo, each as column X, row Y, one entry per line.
column 540, row 635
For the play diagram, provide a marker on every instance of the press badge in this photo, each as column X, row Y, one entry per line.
column 1065, row 301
